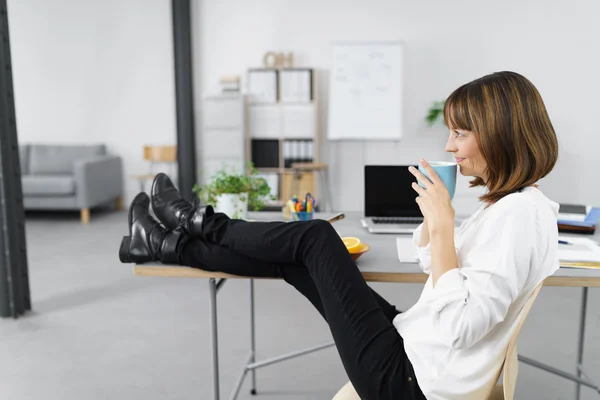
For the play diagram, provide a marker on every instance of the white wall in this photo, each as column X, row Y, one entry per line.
column 448, row 43
column 102, row 71
column 94, row 71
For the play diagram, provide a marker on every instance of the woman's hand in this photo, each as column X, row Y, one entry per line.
column 434, row 201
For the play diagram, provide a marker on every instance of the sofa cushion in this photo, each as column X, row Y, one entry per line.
column 24, row 158
column 59, row 159
column 48, row 185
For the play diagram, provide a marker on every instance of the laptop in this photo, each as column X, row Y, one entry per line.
column 390, row 205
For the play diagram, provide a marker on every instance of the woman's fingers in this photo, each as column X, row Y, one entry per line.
column 433, row 176
column 418, row 188
column 420, row 176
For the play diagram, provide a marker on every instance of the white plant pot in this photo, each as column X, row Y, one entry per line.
column 233, row 205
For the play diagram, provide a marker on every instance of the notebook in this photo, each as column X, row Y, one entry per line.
column 407, row 252
column 579, row 253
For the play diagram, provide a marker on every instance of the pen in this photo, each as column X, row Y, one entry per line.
column 291, row 206
column 336, row 217
column 563, row 242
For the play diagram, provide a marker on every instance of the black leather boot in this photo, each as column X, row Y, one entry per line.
column 148, row 240
column 174, row 211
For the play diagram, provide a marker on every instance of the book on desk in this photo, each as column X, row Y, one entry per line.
column 575, row 218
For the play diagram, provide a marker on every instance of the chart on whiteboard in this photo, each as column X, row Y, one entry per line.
column 366, row 91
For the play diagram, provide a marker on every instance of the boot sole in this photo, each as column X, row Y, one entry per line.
column 124, row 254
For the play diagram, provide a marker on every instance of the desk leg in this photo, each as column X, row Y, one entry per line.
column 252, row 338
column 214, row 335
column 581, row 340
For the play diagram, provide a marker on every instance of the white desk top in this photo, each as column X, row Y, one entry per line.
column 380, row 264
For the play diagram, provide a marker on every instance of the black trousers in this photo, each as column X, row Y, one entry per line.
column 311, row 257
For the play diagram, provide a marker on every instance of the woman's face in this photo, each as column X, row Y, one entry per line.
column 466, row 153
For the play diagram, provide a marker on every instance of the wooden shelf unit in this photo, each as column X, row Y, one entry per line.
column 287, row 123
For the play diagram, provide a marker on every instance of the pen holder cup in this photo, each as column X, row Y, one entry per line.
column 302, row 216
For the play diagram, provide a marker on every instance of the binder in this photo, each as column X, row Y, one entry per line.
column 295, row 85
column 287, row 154
column 265, row 153
column 263, row 85
column 303, row 151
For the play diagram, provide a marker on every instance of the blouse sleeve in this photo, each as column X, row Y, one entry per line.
column 470, row 300
column 423, row 253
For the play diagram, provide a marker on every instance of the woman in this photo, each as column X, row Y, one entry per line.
column 451, row 343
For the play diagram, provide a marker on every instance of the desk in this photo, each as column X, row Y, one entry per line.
column 380, row 264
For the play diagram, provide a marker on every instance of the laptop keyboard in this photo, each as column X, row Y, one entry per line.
column 397, row 220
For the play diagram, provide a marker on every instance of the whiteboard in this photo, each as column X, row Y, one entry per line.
column 365, row 91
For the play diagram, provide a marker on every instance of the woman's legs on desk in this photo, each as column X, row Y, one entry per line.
column 371, row 349
column 211, row 257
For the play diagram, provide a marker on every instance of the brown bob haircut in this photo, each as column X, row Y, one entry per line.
column 508, row 118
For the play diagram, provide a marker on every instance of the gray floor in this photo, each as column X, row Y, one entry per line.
column 98, row 332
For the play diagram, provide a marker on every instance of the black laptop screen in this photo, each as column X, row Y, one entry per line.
column 388, row 192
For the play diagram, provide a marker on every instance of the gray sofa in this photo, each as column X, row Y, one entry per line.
column 70, row 177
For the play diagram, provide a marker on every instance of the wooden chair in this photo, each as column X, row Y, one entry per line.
column 502, row 391
column 156, row 155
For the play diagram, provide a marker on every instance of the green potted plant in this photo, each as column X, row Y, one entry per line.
column 234, row 193
column 435, row 112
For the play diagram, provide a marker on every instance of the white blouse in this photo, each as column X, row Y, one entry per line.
column 457, row 333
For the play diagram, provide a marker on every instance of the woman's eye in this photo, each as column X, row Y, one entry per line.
column 458, row 134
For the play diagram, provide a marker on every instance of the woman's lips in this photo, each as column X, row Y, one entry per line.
column 459, row 160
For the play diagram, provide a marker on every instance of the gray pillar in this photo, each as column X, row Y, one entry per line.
column 184, row 100
column 14, row 277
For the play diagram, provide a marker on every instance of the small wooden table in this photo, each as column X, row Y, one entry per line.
column 142, row 179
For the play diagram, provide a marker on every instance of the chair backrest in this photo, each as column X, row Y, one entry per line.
column 160, row 154
column 511, row 362
column 347, row 392
column 59, row 159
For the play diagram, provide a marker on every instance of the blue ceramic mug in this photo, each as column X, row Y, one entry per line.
column 447, row 173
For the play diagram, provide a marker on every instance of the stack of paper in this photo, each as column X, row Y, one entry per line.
column 579, row 252
column 407, row 252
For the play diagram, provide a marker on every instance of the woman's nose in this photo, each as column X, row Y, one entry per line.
column 450, row 147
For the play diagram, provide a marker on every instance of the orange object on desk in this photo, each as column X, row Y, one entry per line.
column 363, row 249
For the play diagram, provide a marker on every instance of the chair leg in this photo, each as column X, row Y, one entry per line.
column 85, row 216
column 119, row 203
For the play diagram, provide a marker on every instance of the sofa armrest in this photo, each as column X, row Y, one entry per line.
column 98, row 180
